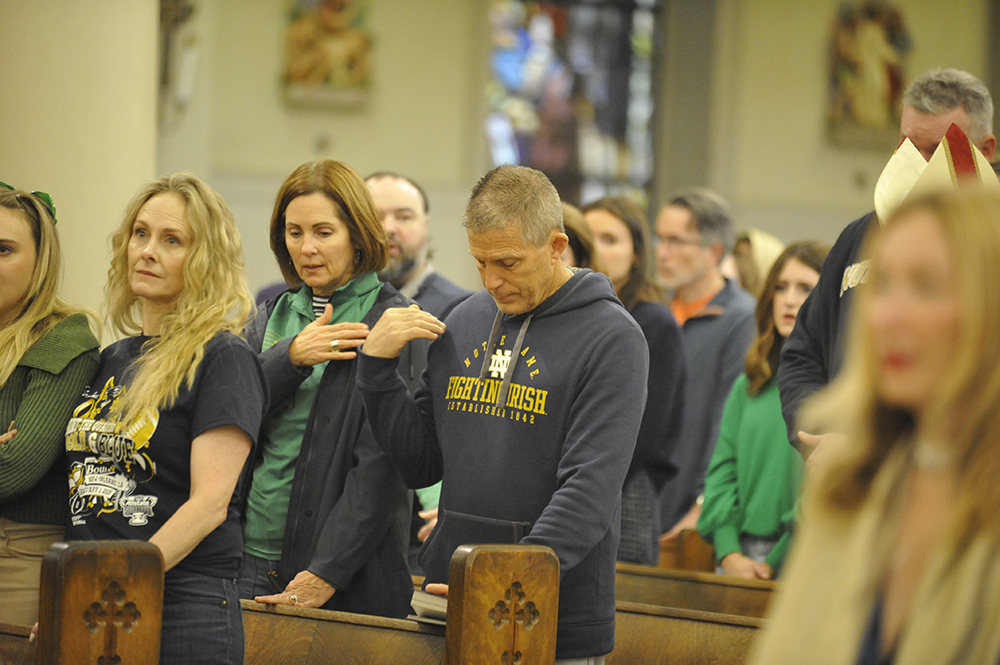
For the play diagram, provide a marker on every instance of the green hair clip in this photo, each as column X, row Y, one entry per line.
column 45, row 198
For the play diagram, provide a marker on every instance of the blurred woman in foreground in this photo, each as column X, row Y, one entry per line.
column 896, row 558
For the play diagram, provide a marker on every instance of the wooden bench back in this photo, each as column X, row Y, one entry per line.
column 683, row 589
column 647, row 634
column 283, row 635
column 503, row 605
column 687, row 552
column 100, row 599
column 15, row 649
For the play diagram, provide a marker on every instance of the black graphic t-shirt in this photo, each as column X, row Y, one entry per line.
column 127, row 479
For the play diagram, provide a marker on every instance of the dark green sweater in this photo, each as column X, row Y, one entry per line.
column 39, row 397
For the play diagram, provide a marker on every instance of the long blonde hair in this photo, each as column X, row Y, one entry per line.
column 215, row 296
column 41, row 307
column 967, row 400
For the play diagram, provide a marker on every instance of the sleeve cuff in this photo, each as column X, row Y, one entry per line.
column 726, row 541
column 374, row 372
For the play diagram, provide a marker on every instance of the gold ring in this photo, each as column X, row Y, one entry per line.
column 335, row 344
column 294, row 598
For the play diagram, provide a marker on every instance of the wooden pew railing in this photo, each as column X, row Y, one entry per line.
column 645, row 633
column 683, row 589
column 502, row 607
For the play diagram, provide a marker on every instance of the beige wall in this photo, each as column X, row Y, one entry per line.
column 771, row 155
column 77, row 117
column 422, row 119
column 85, row 127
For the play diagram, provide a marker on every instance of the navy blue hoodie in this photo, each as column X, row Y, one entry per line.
column 546, row 466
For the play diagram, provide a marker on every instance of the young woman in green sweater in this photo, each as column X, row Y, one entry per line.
column 47, row 355
column 753, row 478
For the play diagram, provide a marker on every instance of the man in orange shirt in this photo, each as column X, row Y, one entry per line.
column 694, row 232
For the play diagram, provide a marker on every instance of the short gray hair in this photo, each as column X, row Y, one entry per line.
column 941, row 90
column 710, row 213
column 515, row 195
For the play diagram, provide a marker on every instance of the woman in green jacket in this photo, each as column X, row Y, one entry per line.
column 47, row 355
column 753, row 479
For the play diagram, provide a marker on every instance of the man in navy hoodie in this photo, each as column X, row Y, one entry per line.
column 814, row 352
column 529, row 408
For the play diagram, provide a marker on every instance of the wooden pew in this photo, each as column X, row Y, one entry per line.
column 683, row 589
column 14, row 646
column 294, row 635
column 647, row 634
column 502, row 607
column 687, row 552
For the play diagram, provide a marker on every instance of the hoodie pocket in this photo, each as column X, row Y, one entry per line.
column 455, row 529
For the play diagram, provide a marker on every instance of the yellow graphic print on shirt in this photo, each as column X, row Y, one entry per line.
column 105, row 482
column 469, row 393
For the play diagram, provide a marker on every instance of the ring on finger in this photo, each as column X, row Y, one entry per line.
column 294, row 598
column 335, row 344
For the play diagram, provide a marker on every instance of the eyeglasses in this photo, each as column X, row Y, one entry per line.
column 676, row 242
column 45, row 198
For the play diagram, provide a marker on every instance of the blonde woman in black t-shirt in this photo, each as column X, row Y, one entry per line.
column 156, row 446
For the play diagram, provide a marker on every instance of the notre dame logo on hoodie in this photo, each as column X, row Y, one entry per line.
column 494, row 395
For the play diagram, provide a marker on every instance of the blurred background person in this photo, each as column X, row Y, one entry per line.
column 694, row 232
column 754, row 253
column 895, row 558
column 623, row 247
column 47, row 355
column 752, row 484
column 579, row 252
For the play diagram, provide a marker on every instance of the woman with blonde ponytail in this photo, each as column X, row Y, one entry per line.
column 174, row 411
column 47, row 355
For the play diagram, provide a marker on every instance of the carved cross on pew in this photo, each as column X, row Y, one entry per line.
column 524, row 613
column 110, row 613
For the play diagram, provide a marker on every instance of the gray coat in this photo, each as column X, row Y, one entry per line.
column 715, row 346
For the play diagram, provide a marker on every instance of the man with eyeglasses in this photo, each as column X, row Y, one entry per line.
column 694, row 232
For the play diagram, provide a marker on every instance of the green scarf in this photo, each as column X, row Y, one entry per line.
column 267, row 503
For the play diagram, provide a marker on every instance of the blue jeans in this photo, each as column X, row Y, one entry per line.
column 258, row 577
column 202, row 620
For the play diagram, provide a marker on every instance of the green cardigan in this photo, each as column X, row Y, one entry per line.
column 39, row 397
column 752, row 484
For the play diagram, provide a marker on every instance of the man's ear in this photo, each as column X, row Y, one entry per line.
column 559, row 241
column 718, row 251
column 988, row 147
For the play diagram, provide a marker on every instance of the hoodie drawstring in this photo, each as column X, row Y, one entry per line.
column 490, row 347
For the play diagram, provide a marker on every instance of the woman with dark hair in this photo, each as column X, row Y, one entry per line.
column 47, row 355
column 623, row 247
column 579, row 252
column 157, row 442
column 326, row 520
column 752, row 484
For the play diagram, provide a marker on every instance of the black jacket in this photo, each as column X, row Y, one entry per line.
column 347, row 513
column 813, row 353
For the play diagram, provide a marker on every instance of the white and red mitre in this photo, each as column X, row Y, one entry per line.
column 955, row 161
